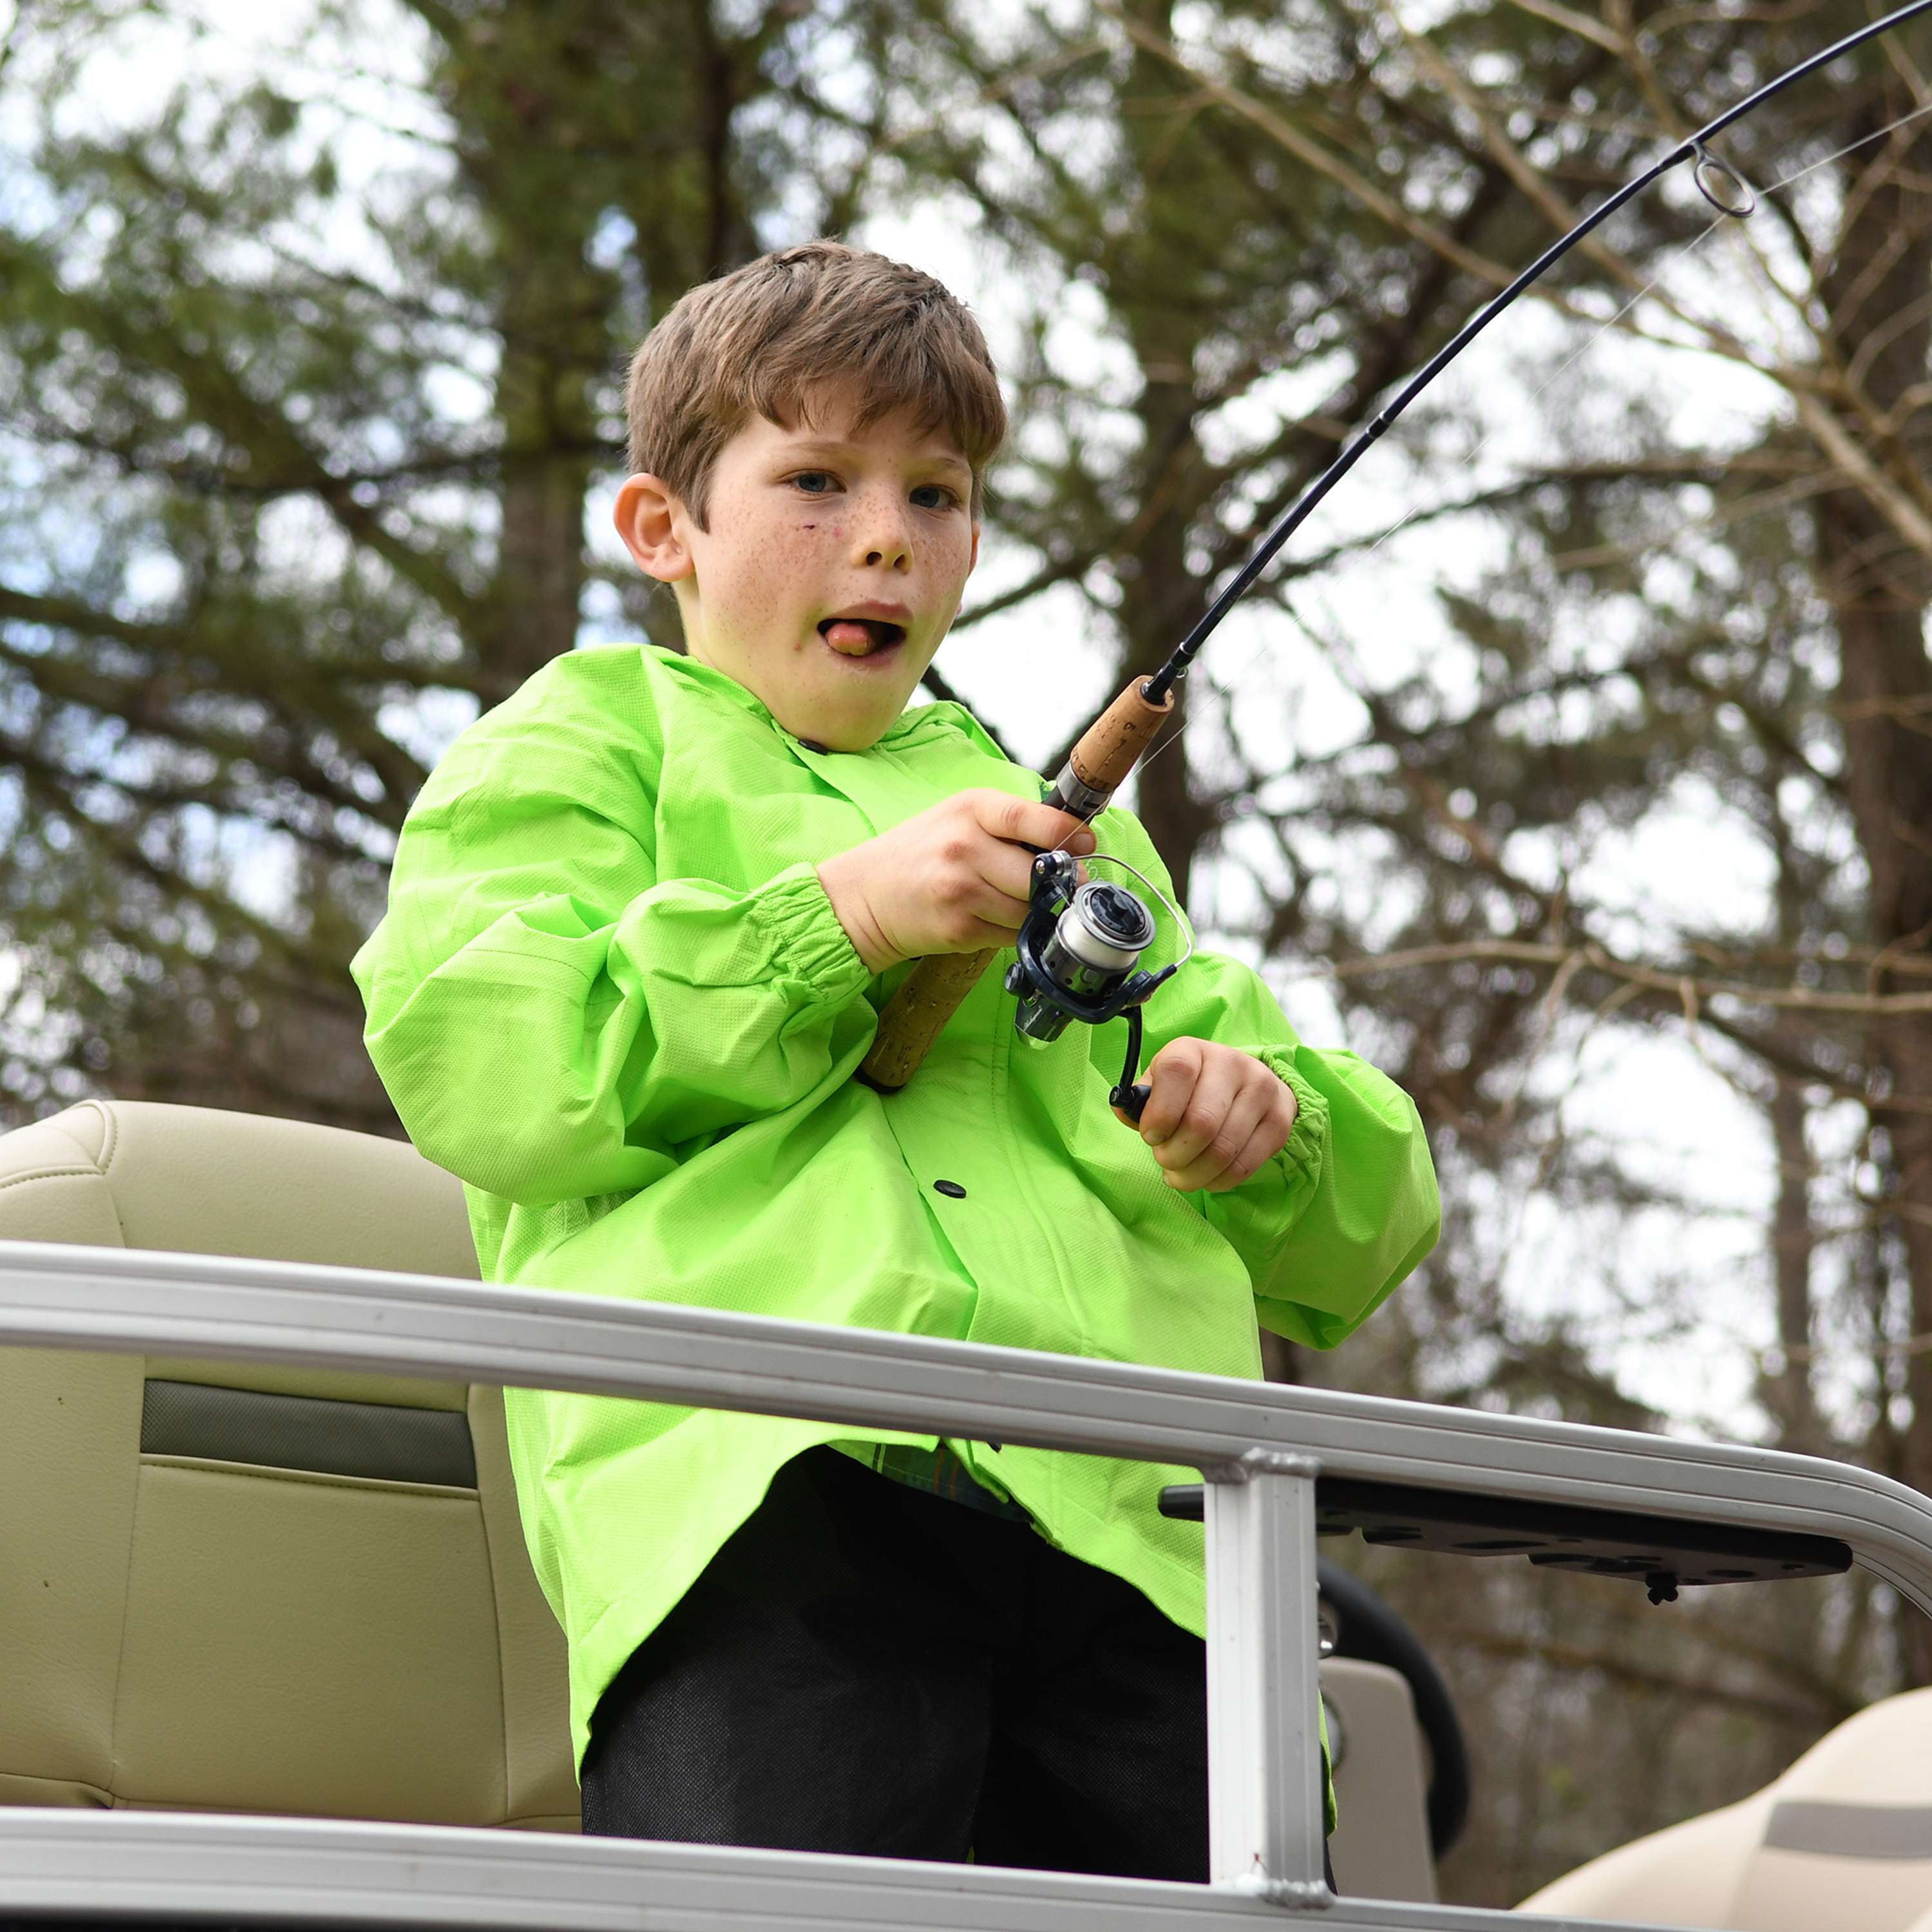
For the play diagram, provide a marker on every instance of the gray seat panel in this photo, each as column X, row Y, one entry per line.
column 381, row 1441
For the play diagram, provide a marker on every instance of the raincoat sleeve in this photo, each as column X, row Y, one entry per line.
column 1330, row 1225
column 553, row 1021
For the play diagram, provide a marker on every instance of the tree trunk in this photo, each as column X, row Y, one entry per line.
column 540, row 563
column 1163, row 595
column 1881, row 267
column 1788, row 1394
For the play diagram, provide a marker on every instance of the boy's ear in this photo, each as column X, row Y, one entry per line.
column 651, row 521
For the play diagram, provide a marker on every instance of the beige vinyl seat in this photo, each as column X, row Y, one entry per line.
column 261, row 1589
column 1842, row 1840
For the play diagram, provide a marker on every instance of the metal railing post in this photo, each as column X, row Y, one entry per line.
column 1265, row 1795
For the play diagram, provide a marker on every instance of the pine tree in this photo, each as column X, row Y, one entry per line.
column 307, row 373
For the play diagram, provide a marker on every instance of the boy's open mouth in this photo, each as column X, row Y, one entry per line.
column 860, row 637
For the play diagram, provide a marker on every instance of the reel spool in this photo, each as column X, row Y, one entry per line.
column 1094, row 946
column 1079, row 957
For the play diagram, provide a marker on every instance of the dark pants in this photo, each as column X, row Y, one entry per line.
column 867, row 1668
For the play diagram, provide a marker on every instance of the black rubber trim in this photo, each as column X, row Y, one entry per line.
column 378, row 1440
column 1662, row 1552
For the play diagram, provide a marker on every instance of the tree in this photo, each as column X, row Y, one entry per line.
column 308, row 373
column 1275, row 217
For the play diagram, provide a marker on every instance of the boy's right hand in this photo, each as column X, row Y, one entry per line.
column 953, row 880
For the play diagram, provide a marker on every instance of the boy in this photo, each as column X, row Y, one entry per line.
column 642, row 916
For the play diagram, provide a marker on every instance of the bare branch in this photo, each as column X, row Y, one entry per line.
column 1685, row 987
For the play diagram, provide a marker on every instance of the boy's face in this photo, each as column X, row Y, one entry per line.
column 833, row 563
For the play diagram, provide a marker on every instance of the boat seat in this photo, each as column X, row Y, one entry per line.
column 1843, row 1838
column 262, row 1589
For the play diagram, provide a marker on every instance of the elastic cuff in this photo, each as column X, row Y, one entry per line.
column 1308, row 1140
column 807, row 943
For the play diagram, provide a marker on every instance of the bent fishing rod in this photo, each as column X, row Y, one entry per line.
column 1078, row 953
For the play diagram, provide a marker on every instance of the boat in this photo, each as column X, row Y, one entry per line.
column 271, row 1652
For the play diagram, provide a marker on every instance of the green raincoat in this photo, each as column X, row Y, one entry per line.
column 610, row 995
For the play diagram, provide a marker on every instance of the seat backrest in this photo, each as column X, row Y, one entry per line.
column 1847, row 1839
column 1380, row 1845
column 1843, row 1838
column 262, row 1589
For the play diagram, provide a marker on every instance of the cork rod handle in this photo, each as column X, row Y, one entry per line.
column 935, row 988
column 913, row 1015
column 1112, row 746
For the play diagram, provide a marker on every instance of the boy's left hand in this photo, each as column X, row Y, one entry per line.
column 1214, row 1116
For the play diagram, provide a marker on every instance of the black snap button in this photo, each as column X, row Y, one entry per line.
column 950, row 1189
column 813, row 745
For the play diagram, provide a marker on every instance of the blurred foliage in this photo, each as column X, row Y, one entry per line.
column 309, row 361
column 296, row 461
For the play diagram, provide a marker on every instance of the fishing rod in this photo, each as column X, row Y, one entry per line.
column 1078, row 957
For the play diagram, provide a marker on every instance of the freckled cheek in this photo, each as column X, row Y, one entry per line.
column 801, row 558
column 778, row 578
column 803, row 544
column 953, row 562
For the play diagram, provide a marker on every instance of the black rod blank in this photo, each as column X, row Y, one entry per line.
column 1156, row 688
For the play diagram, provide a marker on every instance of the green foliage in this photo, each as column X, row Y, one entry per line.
column 299, row 443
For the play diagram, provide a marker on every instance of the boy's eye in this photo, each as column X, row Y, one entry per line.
column 933, row 497
column 813, row 482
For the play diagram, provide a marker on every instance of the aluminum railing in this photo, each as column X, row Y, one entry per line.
column 1259, row 1447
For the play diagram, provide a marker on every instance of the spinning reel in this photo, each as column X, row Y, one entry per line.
column 1079, row 958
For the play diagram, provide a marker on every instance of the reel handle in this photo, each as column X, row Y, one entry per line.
column 1133, row 1093
column 1107, row 752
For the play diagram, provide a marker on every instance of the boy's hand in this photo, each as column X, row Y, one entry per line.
column 1215, row 1114
column 952, row 880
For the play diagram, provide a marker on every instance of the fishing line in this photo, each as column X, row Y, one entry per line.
column 1077, row 954
column 1850, row 147
column 1174, row 736
column 1693, row 147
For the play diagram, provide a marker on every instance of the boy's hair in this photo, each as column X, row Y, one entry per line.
column 769, row 338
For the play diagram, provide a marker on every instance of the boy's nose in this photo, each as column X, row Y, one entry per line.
column 881, row 538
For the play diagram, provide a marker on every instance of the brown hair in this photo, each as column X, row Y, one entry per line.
column 764, row 339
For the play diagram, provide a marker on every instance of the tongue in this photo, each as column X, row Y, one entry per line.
column 850, row 637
